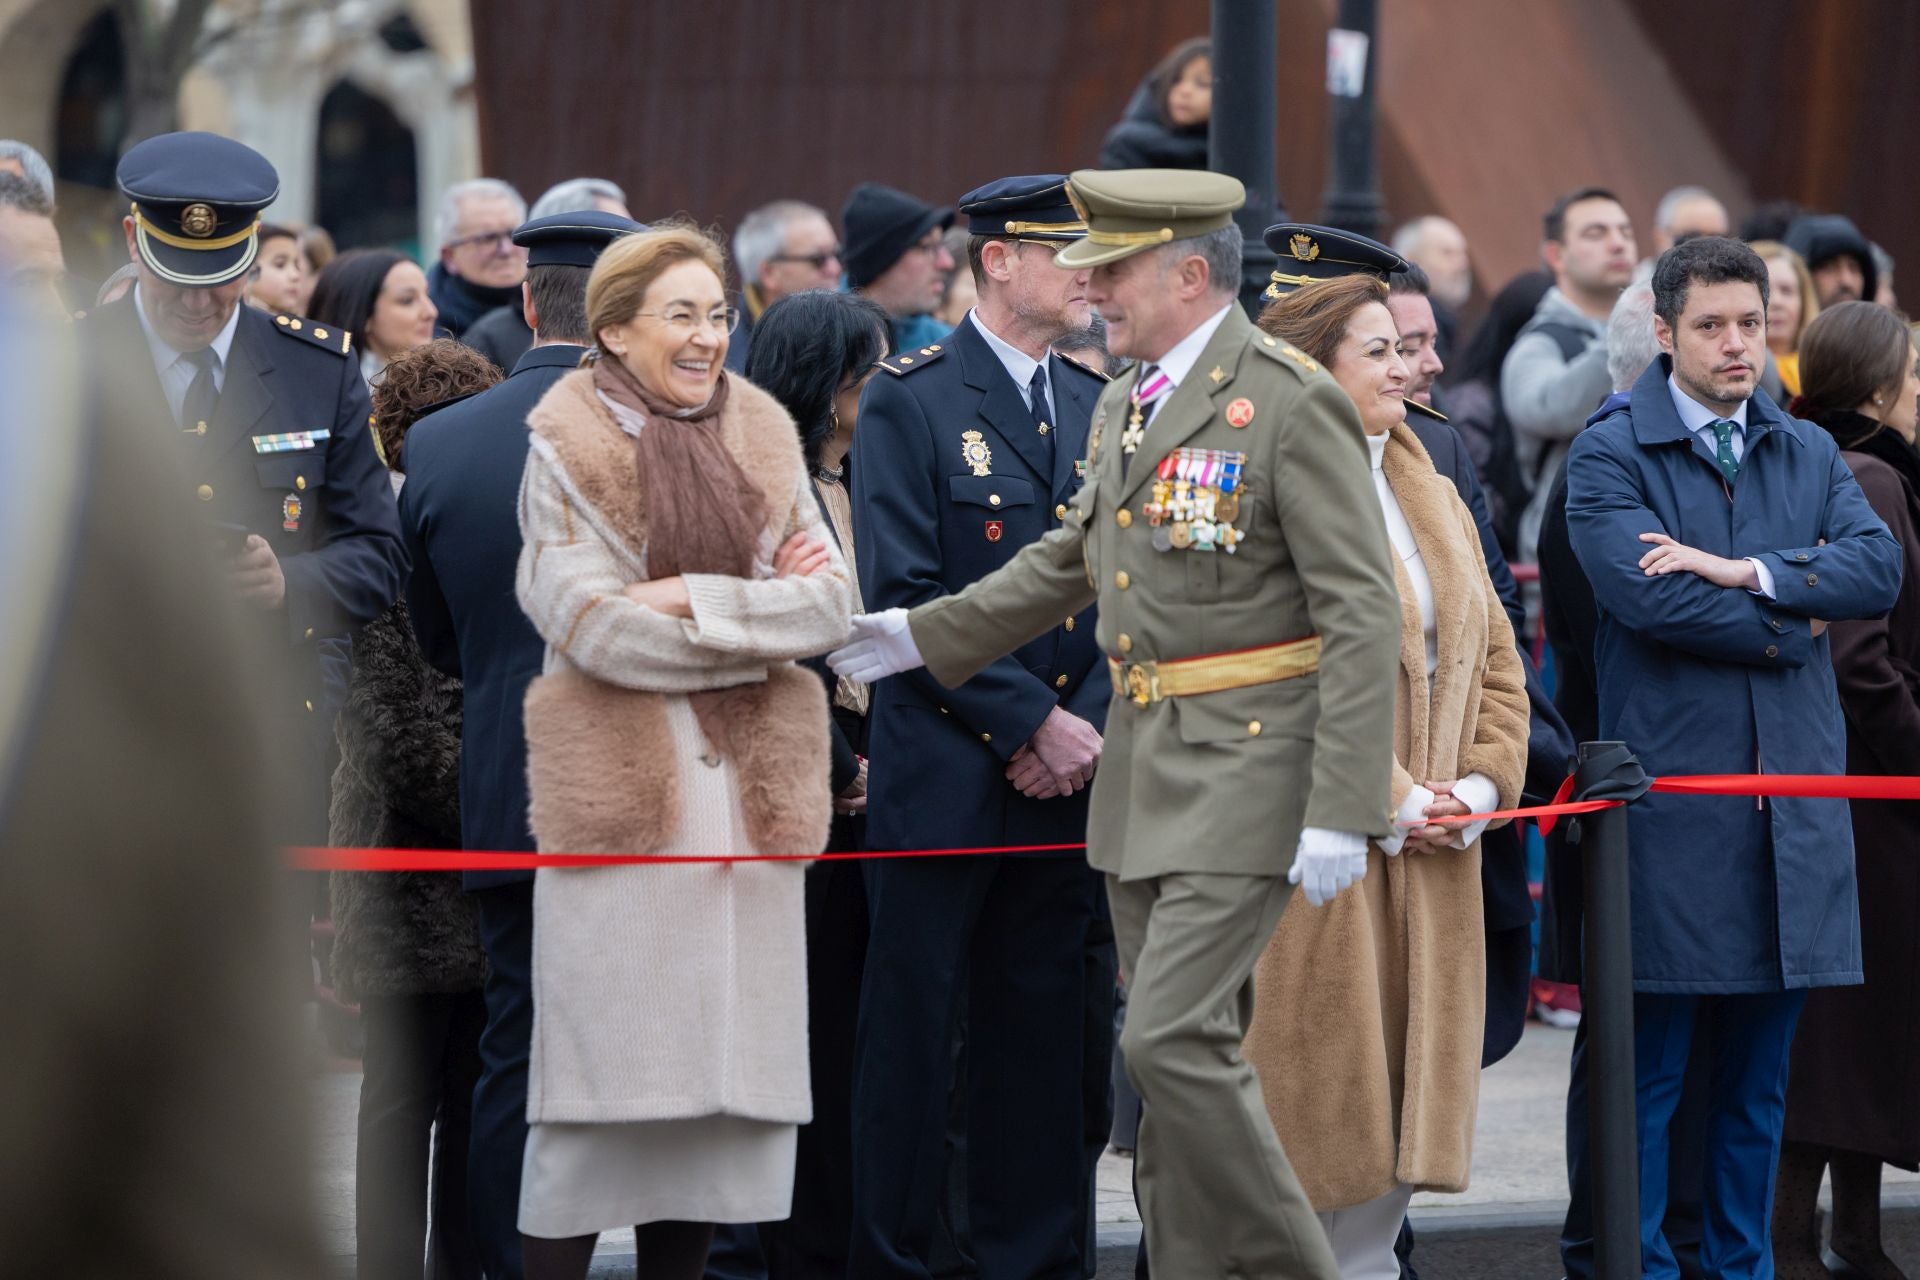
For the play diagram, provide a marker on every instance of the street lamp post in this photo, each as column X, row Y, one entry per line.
column 1353, row 197
column 1240, row 133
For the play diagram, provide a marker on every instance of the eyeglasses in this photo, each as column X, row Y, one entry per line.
column 686, row 320
column 818, row 261
column 493, row 241
column 930, row 246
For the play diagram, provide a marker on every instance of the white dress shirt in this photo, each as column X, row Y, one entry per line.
column 175, row 370
column 1019, row 364
column 1699, row 419
column 1181, row 357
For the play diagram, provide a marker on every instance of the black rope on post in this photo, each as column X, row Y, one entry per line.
column 1609, row 771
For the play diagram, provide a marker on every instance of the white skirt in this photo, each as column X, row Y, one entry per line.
column 582, row 1179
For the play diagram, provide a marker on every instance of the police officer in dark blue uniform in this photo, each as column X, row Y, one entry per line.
column 268, row 417
column 458, row 513
column 967, row 451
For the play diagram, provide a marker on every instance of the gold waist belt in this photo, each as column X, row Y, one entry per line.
column 1150, row 682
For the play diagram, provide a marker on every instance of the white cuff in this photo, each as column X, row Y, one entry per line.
column 1412, row 809
column 1762, row 572
column 1323, row 840
column 1478, row 793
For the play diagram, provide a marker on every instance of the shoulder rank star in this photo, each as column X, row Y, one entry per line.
column 975, row 453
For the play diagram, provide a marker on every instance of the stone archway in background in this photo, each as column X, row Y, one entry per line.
column 367, row 179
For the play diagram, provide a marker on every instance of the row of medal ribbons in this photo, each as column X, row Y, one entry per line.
column 1195, row 499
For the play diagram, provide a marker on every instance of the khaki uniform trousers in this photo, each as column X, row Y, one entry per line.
column 1217, row 1195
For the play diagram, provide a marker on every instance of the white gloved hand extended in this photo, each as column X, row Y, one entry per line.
column 882, row 645
column 1327, row 862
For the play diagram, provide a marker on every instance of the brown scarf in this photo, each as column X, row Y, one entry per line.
column 704, row 513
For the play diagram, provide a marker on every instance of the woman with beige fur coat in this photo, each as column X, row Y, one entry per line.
column 675, row 562
column 1367, row 1013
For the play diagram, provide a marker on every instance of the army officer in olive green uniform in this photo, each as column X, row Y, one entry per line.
column 1229, row 532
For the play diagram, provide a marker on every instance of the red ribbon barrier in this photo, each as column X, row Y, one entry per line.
column 1802, row 785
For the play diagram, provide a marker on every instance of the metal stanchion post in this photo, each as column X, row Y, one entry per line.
column 1607, row 770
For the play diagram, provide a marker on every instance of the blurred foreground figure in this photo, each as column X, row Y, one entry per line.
column 153, row 1125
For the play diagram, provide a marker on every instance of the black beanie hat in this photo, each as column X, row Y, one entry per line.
column 1819, row 238
column 880, row 225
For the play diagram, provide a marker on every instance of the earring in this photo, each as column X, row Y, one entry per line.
column 833, row 412
column 1877, row 400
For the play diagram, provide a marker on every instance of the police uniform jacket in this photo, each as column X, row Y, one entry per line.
column 1218, row 782
column 458, row 513
column 288, row 455
column 927, row 523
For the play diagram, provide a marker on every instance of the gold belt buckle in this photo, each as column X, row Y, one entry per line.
column 1143, row 683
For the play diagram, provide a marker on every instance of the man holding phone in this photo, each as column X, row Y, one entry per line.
column 268, row 415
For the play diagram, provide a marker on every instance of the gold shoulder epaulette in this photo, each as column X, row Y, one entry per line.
column 1078, row 363
column 1285, row 353
column 905, row 362
column 338, row 341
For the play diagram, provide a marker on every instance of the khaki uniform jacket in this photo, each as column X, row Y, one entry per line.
column 1221, row 782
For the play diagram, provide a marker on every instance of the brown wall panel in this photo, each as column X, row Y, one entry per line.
column 714, row 108
column 1489, row 108
column 1815, row 100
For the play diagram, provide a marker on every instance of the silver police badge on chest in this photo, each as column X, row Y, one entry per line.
column 975, row 453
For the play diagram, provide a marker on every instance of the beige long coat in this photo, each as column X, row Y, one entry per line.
column 1368, row 1011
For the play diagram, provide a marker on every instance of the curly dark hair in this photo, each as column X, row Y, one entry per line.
column 1704, row 260
column 426, row 376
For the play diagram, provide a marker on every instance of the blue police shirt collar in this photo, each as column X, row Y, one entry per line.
column 165, row 356
column 1019, row 364
column 1696, row 417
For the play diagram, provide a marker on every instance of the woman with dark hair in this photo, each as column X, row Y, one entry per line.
column 1857, row 1051
column 1165, row 125
column 380, row 297
column 814, row 352
column 407, row 945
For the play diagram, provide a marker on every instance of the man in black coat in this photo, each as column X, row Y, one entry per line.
column 268, row 418
column 967, row 450
column 459, row 514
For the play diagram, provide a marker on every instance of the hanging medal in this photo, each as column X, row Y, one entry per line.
column 1230, row 472
column 1182, row 533
column 1204, row 528
column 1155, row 509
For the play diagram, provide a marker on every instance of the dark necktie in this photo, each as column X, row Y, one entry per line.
column 1723, row 436
column 1037, row 397
column 203, row 397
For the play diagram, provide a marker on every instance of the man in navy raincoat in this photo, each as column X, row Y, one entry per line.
column 1720, row 535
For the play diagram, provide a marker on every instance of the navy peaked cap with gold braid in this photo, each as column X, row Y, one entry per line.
column 1032, row 208
column 196, row 201
column 1310, row 253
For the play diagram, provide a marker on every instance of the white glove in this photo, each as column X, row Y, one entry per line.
column 1412, row 809
column 882, row 645
column 1327, row 862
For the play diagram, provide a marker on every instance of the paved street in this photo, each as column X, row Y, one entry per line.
column 1503, row 1225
